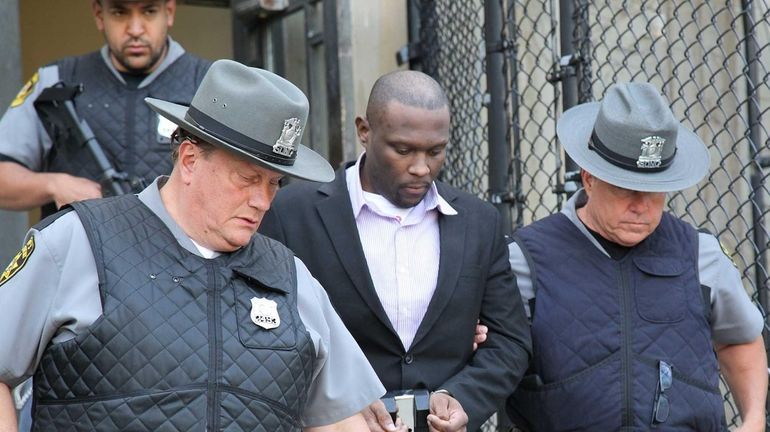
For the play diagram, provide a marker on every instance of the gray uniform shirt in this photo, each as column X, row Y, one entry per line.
column 22, row 136
column 55, row 297
column 734, row 319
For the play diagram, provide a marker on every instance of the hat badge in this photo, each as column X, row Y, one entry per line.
column 285, row 145
column 264, row 313
column 651, row 152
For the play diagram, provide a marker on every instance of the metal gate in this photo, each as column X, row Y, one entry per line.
column 512, row 67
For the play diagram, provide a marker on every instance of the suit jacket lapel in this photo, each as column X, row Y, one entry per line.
column 337, row 216
column 452, row 239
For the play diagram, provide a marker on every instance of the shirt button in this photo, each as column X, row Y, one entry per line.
column 408, row 359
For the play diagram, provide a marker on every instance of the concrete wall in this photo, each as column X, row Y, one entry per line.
column 378, row 28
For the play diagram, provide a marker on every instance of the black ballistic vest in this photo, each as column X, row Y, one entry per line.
column 123, row 124
column 600, row 326
column 176, row 348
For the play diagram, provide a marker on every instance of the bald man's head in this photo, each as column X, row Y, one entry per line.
column 410, row 88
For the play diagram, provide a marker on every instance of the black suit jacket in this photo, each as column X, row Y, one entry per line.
column 474, row 282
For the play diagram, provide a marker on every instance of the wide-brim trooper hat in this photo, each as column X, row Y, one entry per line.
column 631, row 140
column 253, row 113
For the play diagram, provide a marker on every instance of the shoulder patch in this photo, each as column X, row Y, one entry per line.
column 17, row 263
column 25, row 92
column 727, row 253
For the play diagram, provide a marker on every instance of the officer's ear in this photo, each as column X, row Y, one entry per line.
column 188, row 156
column 170, row 11
column 97, row 9
column 588, row 180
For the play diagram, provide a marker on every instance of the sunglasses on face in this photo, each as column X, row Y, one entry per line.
column 661, row 404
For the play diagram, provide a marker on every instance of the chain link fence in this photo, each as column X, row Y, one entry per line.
column 710, row 58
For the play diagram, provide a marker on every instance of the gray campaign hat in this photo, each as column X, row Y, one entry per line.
column 631, row 140
column 253, row 113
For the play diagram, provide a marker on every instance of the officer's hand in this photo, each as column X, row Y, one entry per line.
column 480, row 336
column 446, row 414
column 378, row 419
column 66, row 189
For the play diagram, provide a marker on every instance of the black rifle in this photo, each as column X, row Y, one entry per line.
column 56, row 110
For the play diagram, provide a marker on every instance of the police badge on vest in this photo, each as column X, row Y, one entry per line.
column 264, row 313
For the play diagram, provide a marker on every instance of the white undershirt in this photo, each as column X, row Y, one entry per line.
column 205, row 252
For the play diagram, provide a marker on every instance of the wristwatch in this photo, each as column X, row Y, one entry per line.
column 444, row 391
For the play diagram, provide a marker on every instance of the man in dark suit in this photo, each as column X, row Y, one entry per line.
column 411, row 263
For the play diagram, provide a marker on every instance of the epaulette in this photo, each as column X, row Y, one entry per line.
column 51, row 218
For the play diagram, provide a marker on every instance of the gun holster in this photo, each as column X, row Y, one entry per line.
column 412, row 406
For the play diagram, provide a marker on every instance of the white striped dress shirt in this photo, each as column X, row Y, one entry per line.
column 402, row 250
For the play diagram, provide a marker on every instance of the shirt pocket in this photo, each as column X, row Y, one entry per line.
column 256, row 303
column 659, row 289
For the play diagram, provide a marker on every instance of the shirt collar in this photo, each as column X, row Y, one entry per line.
column 432, row 199
column 150, row 196
column 174, row 52
column 577, row 200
